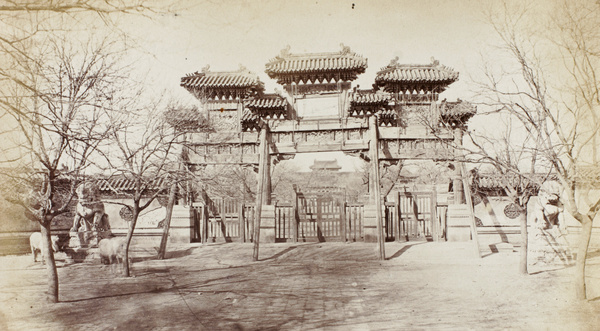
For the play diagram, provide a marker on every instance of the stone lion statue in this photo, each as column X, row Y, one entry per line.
column 89, row 212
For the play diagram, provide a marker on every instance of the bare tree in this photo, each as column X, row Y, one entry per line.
column 143, row 150
column 54, row 99
column 55, row 77
column 552, row 91
column 518, row 169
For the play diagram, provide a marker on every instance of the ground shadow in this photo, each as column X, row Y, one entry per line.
column 168, row 255
column 403, row 250
column 276, row 255
column 550, row 269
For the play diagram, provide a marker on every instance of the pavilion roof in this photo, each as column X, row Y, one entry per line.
column 361, row 97
column 457, row 109
column 268, row 101
column 288, row 63
column 249, row 116
column 186, row 118
column 241, row 78
column 433, row 73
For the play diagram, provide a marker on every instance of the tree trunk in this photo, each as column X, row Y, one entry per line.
column 162, row 249
column 136, row 214
column 524, row 243
column 50, row 263
column 584, row 242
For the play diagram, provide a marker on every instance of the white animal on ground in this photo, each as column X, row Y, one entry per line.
column 112, row 250
column 35, row 242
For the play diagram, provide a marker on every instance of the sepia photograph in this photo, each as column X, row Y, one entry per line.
column 299, row 165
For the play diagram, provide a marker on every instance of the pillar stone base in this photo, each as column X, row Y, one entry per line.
column 370, row 224
column 182, row 225
column 458, row 223
column 267, row 224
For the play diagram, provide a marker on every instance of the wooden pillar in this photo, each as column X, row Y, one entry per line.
column 435, row 224
column 263, row 179
column 294, row 224
column 376, row 192
column 204, row 223
column 457, row 184
column 343, row 220
column 397, row 218
column 473, row 224
column 242, row 222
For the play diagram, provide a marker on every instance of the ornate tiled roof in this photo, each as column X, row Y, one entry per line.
column 458, row 108
column 249, row 116
column 343, row 61
column 369, row 97
column 242, row 78
column 272, row 101
column 249, row 121
column 413, row 73
column 186, row 119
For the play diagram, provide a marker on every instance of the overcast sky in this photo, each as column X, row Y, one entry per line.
column 250, row 33
column 225, row 35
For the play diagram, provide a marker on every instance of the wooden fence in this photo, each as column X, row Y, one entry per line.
column 411, row 218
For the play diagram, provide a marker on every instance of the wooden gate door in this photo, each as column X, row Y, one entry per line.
column 319, row 218
column 415, row 213
column 221, row 220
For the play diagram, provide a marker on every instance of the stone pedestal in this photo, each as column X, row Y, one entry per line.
column 182, row 225
column 267, row 224
column 85, row 239
column 548, row 246
column 458, row 223
column 370, row 224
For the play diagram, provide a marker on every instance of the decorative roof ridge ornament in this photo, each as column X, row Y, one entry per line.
column 345, row 49
column 286, row 54
column 205, row 71
column 243, row 69
column 435, row 64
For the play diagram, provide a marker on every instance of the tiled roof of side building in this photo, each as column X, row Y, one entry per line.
column 121, row 184
column 268, row 101
column 490, row 181
column 345, row 60
column 226, row 79
column 416, row 73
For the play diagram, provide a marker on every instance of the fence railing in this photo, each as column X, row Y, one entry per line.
column 411, row 218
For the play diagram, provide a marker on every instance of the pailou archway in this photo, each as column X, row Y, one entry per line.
column 318, row 110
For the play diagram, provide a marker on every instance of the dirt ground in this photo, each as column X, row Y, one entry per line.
column 324, row 286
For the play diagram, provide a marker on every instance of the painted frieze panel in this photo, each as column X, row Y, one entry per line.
column 224, row 121
column 413, row 148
